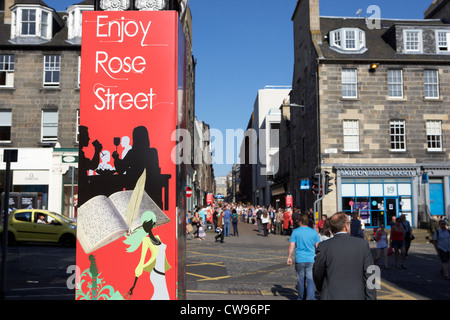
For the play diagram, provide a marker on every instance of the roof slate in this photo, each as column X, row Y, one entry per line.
column 59, row 39
column 379, row 46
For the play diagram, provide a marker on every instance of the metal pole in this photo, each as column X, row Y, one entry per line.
column 7, row 158
column 319, row 198
column 72, row 211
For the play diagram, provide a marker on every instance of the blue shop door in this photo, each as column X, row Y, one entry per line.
column 436, row 198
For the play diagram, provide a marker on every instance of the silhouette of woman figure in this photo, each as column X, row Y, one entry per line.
column 141, row 157
column 157, row 264
column 86, row 164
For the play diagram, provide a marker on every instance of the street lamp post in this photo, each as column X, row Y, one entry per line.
column 9, row 155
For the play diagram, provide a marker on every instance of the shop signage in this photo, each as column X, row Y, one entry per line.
column 376, row 173
column 22, row 177
column 70, row 159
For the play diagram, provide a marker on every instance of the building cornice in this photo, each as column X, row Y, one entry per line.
column 14, row 47
column 397, row 61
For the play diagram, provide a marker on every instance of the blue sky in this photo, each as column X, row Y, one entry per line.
column 243, row 45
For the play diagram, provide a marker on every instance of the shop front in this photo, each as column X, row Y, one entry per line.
column 30, row 178
column 379, row 194
column 32, row 182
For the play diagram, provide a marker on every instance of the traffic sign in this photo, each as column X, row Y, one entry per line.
column 304, row 184
column 188, row 192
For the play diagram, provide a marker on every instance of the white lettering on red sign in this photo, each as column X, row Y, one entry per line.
column 116, row 65
column 124, row 100
column 117, row 30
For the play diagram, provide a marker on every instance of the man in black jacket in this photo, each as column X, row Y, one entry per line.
column 296, row 218
column 341, row 265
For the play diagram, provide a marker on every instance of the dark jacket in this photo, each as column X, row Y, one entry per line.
column 340, row 269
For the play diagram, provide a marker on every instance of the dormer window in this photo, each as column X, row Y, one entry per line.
column 443, row 41
column 28, row 22
column 348, row 39
column 412, row 41
column 44, row 25
column 31, row 24
column 74, row 22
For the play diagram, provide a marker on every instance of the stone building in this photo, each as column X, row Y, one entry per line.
column 40, row 56
column 220, row 191
column 375, row 116
column 258, row 153
column 245, row 165
column 203, row 181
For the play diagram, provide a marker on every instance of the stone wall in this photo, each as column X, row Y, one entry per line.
column 374, row 110
column 29, row 97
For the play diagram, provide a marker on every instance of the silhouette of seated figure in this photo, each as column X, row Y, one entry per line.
column 105, row 157
column 138, row 158
column 125, row 143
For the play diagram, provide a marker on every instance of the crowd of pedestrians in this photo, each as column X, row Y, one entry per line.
column 330, row 254
column 225, row 218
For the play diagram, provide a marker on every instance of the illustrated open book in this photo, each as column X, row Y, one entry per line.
column 102, row 220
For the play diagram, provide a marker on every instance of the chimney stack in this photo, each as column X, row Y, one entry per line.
column 314, row 19
column 8, row 4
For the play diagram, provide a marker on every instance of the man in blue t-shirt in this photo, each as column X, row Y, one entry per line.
column 304, row 240
column 227, row 221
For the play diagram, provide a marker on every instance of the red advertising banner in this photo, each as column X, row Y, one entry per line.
column 127, row 207
column 210, row 198
column 289, row 201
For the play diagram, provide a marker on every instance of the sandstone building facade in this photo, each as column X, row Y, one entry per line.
column 376, row 110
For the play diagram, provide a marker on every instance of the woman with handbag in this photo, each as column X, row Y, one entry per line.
column 196, row 224
column 397, row 241
column 265, row 219
column 219, row 229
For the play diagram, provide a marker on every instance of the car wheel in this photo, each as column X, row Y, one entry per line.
column 67, row 240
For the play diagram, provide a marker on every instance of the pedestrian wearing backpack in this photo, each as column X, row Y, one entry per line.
column 441, row 241
column 258, row 218
column 265, row 220
column 234, row 222
column 355, row 226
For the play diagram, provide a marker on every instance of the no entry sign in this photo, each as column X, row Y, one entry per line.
column 188, row 192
